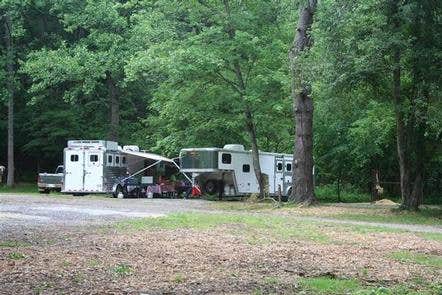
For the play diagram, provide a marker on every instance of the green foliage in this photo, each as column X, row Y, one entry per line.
column 122, row 269
column 173, row 67
column 419, row 258
column 20, row 188
column 326, row 285
column 198, row 102
column 16, row 256
column 13, row 244
column 328, row 193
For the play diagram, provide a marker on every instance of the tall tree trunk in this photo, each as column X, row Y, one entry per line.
column 114, row 107
column 248, row 115
column 303, row 186
column 411, row 183
column 10, row 86
column 408, row 144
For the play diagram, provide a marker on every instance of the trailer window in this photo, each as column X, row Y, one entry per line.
column 117, row 160
column 226, row 158
column 110, row 159
column 199, row 160
column 124, row 160
column 93, row 158
column 74, row 158
column 246, row 168
column 288, row 167
column 279, row 166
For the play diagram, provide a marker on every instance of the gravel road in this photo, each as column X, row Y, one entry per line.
column 28, row 212
column 21, row 213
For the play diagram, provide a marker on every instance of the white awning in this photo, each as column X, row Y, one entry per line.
column 151, row 156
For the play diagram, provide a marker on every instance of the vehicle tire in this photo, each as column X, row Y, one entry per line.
column 137, row 193
column 119, row 190
column 211, row 186
column 45, row 191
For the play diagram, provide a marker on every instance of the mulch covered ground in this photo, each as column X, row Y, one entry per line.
column 98, row 260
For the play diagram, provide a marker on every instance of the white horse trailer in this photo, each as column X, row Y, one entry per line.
column 92, row 166
column 229, row 170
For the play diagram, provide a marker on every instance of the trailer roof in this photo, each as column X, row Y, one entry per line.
column 234, row 151
column 148, row 156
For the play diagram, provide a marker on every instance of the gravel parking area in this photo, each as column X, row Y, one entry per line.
column 19, row 213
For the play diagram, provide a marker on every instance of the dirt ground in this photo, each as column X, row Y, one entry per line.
column 88, row 255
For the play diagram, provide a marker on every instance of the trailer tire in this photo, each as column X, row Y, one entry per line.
column 211, row 186
column 119, row 190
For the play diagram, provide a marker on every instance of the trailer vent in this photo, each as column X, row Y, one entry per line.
column 234, row 147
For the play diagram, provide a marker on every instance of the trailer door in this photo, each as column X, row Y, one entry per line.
column 93, row 171
column 74, row 170
column 288, row 172
column 279, row 173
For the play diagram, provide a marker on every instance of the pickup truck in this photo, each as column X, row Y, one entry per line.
column 50, row 181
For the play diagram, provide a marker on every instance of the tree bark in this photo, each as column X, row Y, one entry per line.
column 248, row 115
column 408, row 141
column 114, row 107
column 10, row 87
column 303, row 186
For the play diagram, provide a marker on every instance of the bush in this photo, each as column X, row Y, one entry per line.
column 328, row 193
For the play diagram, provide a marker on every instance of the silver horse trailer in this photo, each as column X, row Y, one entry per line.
column 92, row 166
column 229, row 170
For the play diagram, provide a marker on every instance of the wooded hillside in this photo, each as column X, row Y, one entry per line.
column 169, row 74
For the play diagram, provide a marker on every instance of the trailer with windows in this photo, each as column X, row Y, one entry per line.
column 92, row 166
column 99, row 166
column 229, row 171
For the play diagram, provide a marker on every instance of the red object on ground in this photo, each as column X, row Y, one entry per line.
column 196, row 191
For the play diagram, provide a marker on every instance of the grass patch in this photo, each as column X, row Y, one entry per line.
column 20, row 188
column 13, row 244
column 272, row 281
column 122, row 269
column 255, row 228
column 16, row 256
column 431, row 236
column 418, row 258
column 179, row 278
column 93, row 263
column 327, row 285
column 42, row 287
column 334, row 286
column 426, row 216
column 243, row 206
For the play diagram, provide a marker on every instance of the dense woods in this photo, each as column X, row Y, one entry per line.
column 168, row 74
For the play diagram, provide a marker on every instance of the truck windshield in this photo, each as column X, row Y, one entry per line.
column 59, row 170
column 199, row 160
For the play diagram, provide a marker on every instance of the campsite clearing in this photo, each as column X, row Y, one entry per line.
column 53, row 244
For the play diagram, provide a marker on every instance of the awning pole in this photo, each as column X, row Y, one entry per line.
column 182, row 172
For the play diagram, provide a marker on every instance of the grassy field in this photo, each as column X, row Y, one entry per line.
column 428, row 215
column 27, row 188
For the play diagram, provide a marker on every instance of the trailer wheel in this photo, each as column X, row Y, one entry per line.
column 211, row 186
column 119, row 192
